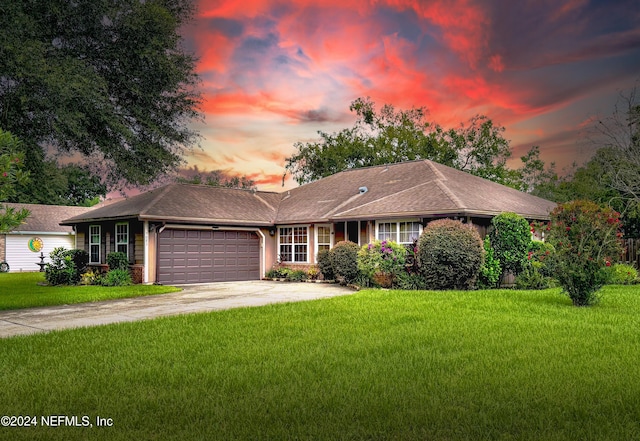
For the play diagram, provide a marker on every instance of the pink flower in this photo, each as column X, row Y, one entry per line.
column 607, row 263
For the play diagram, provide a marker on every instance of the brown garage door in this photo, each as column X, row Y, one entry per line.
column 197, row 256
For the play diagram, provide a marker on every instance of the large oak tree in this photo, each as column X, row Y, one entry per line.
column 108, row 79
column 389, row 136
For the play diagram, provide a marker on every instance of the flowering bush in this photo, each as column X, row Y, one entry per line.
column 586, row 238
column 382, row 261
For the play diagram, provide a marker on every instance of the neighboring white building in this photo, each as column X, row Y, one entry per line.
column 40, row 233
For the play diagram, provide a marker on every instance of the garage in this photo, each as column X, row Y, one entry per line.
column 202, row 256
column 21, row 255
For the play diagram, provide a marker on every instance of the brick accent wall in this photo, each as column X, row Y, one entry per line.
column 3, row 247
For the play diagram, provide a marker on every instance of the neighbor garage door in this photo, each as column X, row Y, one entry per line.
column 197, row 256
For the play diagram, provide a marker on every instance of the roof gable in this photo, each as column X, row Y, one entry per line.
column 46, row 218
column 194, row 204
column 406, row 189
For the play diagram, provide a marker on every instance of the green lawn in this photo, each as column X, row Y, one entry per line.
column 22, row 290
column 375, row 365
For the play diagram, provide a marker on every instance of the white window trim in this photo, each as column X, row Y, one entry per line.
column 116, row 237
column 316, row 244
column 92, row 243
column 293, row 250
column 397, row 222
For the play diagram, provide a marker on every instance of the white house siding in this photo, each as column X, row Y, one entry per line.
column 21, row 258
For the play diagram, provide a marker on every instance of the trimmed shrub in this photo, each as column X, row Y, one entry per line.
column 80, row 260
column 382, row 261
column 410, row 281
column 66, row 266
column 586, row 238
column 621, row 274
column 61, row 270
column 451, row 254
column 313, row 273
column 118, row 260
column 533, row 278
column 324, row 264
column 297, row 276
column 344, row 261
column 510, row 238
column 490, row 271
column 117, row 277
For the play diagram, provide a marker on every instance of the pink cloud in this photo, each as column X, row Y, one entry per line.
column 275, row 74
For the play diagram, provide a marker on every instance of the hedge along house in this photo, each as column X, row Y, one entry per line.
column 186, row 233
column 40, row 233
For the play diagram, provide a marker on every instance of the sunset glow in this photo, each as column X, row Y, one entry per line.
column 274, row 73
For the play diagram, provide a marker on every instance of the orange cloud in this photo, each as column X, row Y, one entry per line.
column 274, row 74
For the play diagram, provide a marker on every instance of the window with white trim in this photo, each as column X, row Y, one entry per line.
column 388, row 231
column 409, row 231
column 122, row 238
column 293, row 244
column 404, row 232
column 323, row 238
column 94, row 244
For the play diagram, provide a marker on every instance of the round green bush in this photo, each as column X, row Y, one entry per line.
column 117, row 277
column 344, row 261
column 450, row 254
column 324, row 264
column 621, row 274
column 118, row 260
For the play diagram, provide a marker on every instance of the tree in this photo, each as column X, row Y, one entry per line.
column 535, row 177
column 11, row 163
column 620, row 135
column 482, row 151
column 217, row 178
column 376, row 138
column 52, row 184
column 108, row 80
column 391, row 136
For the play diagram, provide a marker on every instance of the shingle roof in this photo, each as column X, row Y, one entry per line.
column 199, row 204
column 416, row 188
column 46, row 218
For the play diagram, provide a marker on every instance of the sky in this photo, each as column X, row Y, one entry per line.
column 274, row 73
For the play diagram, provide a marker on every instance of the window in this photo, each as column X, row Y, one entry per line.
column 94, row 244
column 293, row 244
column 404, row 232
column 122, row 238
column 323, row 238
column 409, row 231
column 388, row 231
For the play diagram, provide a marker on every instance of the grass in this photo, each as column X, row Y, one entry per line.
column 22, row 290
column 483, row 365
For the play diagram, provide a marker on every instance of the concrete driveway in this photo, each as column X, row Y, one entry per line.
column 193, row 298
